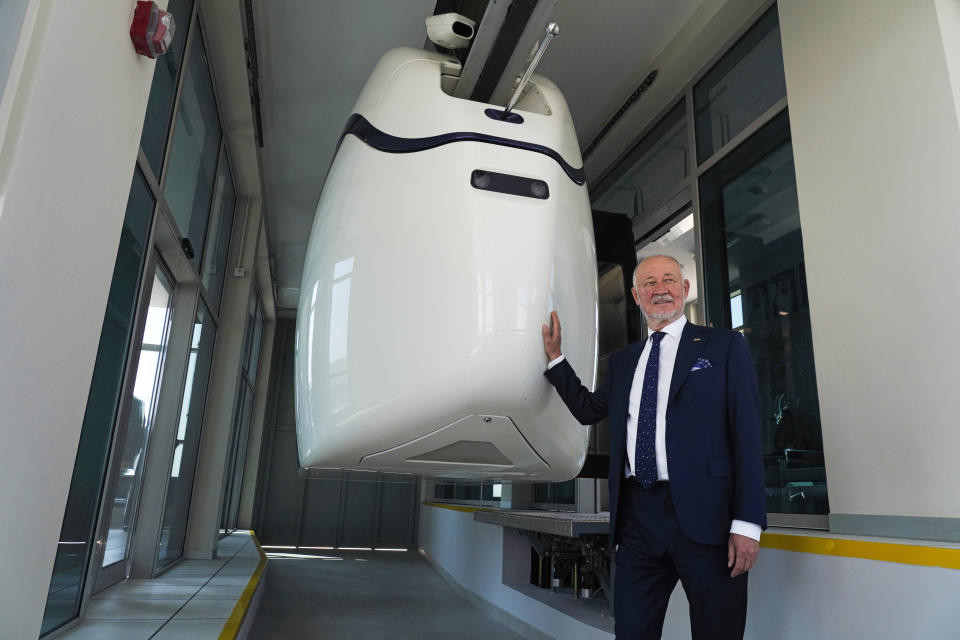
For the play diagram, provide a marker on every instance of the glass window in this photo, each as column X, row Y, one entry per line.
column 677, row 238
column 651, row 172
column 467, row 491
column 236, row 459
column 221, row 223
column 248, row 334
column 196, row 148
column 444, row 491
column 492, row 491
column 187, row 443
column 743, row 84
column 76, row 534
column 255, row 348
column 156, row 126
column 135, row 434
column 751, row 224
column 555, row 492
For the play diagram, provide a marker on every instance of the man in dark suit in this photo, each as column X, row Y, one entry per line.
column 686, row 471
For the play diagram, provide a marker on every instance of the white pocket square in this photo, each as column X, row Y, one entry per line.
column 701, row 363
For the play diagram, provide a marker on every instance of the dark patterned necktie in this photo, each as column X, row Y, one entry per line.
column 645, row 456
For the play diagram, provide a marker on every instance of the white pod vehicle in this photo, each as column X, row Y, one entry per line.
column 442, row 240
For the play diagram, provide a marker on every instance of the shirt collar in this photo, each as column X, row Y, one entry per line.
column 675, row 328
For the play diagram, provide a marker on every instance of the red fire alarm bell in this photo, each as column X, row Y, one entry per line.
column 152, row 30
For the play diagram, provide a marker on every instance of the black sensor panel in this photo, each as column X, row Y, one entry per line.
column 511, row 185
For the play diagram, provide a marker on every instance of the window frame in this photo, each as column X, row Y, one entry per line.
column 688, row 191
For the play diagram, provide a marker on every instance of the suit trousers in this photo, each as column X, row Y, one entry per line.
column 653, row 553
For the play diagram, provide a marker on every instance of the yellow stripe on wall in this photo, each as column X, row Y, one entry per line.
column 947, row 558
column 454, row 507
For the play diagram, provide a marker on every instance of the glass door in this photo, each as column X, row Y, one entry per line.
column 136, row 422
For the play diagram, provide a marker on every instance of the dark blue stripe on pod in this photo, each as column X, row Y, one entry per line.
column 360, row 127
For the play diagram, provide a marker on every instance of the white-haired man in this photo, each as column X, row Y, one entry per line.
column 686, row 472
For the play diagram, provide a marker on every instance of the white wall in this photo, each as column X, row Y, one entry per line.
column 802, row 596
column 77, row 92
column 877, row 148
column 792, row 595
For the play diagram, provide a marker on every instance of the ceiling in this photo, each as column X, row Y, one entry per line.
column 315, row 56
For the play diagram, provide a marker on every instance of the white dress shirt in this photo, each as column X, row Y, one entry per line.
column 668, row 356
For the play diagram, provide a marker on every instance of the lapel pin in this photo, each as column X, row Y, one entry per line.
column 696, row 339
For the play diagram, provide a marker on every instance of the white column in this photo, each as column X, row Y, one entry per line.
column 876, row 140
column 203, row 527
column 70, row 122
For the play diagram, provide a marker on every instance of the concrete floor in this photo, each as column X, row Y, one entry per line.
column 344, row 595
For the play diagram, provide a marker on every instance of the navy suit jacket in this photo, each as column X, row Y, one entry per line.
column 714, row 458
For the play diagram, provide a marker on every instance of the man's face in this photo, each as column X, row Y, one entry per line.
column 660, row 290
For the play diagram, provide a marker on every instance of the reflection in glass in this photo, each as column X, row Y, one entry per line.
column 736, row 310
column 180, row 485
column 135, row 433
column 221, row 223
column 196, row 148
column 156, row 125
column 73, row 550
column 752, row 208
column 743, row 84
column 490, row 491
column 651, row 172
column 678, row 240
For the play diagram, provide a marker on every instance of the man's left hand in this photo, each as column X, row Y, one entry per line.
column 741, row 553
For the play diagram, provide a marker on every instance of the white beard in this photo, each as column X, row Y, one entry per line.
column 672, row 314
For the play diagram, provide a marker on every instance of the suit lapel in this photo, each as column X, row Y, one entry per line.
column 691, row 346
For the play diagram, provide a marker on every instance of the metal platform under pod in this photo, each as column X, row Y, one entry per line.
column 557, row 523
column 572, row 548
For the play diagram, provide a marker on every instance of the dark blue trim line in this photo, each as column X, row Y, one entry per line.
column 360, row 127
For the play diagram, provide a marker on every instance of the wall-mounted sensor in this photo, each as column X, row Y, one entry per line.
column 450, row 30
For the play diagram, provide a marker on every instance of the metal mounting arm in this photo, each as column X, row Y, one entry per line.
column 551, row 32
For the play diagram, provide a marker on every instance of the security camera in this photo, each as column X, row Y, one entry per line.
column 450, row 30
